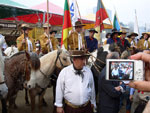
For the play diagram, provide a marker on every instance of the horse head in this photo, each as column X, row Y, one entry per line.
column 3, row 87
column 62, row 59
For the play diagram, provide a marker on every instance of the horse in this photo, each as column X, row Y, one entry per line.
column 40, row 79
column 99, row 60
column 3, row 87
column 17, row 72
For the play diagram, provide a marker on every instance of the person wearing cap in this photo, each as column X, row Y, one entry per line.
column 144, row 44
column 46, row 44
column 114, row 37
column 91, row 42
column 125, row 43
column 76, row 40
column 54, row 40
column 75, row 85
column 24, row 42
column 131, row 39
column 108, row 35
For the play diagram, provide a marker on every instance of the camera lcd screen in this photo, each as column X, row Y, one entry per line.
column 121, row 70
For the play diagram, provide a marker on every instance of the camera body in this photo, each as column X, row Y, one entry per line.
column 122, row 70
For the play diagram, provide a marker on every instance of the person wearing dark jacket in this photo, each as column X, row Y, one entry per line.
column 109, row 91
column 114, row 37
column 91, row 42
column 125, row 43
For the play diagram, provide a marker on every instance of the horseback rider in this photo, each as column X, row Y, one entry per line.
column 24, row 42
column 125, row 43
column 91, row 42
column 48, row 45
column 144, row 43
column 131, row 39
column 114, row 37
column 76, row 38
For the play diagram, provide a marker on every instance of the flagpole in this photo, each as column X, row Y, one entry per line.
column 79, row 12
column 48, row 18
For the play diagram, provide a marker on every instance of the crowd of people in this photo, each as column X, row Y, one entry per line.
column 122, row 71
column 75, row 92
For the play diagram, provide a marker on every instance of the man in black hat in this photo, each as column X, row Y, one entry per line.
column 75, row 86
column 114, row 37
column 91, row 42
column 76, row 40
column 125, row 43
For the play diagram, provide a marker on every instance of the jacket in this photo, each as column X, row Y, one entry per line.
column 45, row 48
column 72, row 41
column 109, row 98
column 141, row 46
column 22, row 47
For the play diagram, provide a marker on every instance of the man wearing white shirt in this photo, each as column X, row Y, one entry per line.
column 75, row 86
column 115, row 72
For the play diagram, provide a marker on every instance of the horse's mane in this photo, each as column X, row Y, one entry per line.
column 33, row 57
column 19, row 53
column 35, row 61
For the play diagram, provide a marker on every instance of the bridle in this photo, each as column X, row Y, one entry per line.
column 57, row 58
column 2, row 82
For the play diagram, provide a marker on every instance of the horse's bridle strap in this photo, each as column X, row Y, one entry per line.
column 2, row 82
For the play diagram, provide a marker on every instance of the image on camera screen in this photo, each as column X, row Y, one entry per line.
column 121, row 70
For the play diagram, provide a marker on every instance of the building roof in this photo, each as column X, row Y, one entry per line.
column 52, row 8
column 11, row 3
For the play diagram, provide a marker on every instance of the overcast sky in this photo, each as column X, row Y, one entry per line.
column 125, row 8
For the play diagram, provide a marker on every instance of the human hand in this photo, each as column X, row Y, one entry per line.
column 60, row 110
column 131, row 97
column 142, row 85
column 47, row 42
column 23, row 41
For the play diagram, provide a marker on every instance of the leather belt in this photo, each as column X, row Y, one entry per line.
column 76, row 106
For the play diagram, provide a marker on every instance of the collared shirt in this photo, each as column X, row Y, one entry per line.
column 74, row 88
column 30, row 46
column 111, row 40
column 115, row 72
column 92, row 44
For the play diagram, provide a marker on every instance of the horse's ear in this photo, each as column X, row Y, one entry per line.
column 27, row 55
column 59, row 50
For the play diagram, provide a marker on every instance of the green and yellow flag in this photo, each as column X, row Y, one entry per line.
column 67, row 26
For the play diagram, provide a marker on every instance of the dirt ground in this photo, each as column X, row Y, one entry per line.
column 23, row 108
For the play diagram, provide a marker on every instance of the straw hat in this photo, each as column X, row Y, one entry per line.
column 124, row 32
column 79, row 53
column 148, row 33
column 46, row 25
column 25, row 26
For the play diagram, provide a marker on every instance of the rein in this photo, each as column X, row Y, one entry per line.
column 2, row 82
column 57, row 58
column 97, row 59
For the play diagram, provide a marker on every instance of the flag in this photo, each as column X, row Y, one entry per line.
column 74, row 11
column 136, row 27
column 116, row 23
column 101, row 15
column 67, row 26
